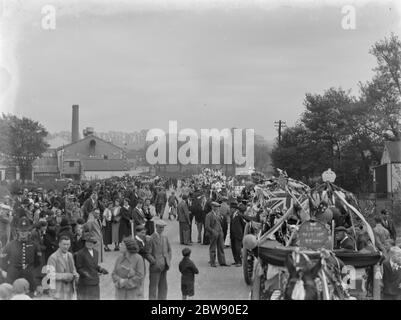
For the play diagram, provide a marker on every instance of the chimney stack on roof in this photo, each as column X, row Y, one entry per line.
column 75, row 123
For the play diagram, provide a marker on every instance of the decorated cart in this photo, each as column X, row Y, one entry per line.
column 305, row 264
column 269, row 201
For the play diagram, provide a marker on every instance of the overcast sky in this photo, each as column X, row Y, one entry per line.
column 134, row 65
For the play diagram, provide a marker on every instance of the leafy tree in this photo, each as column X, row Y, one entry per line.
column 22, row 141
column 381, row 97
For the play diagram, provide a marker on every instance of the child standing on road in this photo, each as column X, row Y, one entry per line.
column 188, row 271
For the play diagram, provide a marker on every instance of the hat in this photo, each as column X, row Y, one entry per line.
column 87, row 237
column 224, row 198
column 131, row 245
column 160, row 223
column 340, row 228
column 24, row 224
column 215, row 204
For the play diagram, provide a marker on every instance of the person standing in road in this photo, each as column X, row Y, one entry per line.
column 87, row 260
column 389, row 225
column 237, row 226
column 215, row 233
column 62, row 263
column 184, row 222
column 188, row 271
column 160, row 254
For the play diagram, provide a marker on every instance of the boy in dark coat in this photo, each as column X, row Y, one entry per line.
column 188, row 271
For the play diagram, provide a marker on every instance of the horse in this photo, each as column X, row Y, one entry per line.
column 303, row 278
column 301, row 284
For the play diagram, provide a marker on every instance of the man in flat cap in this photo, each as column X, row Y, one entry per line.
column 160, row 255
column 343, row 241
column 20, row 256
column 216, row 236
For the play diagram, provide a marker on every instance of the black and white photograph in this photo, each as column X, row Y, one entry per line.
column 203, row 150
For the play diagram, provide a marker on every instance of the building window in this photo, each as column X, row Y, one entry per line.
column 71, row 164
column 105, row 156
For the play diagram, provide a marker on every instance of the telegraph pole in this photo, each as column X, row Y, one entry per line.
column 279, row 124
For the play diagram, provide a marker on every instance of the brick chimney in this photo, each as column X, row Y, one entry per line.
column 75, row 123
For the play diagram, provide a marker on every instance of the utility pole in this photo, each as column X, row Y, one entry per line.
column 279, row 124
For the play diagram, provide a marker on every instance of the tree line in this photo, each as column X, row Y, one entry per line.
column 347, row 133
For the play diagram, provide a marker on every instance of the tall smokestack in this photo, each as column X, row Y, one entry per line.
column 75, row 123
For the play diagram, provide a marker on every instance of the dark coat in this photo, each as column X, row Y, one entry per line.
column 347, row 244
column 77, row 244
column 183, row 212
column 188, row 271
column 144, row 248
column 139, row 217
column 87, row 267
column 125, row 222
column 237, row 226
column 89, row 207
column 50, row 242
column 197, row 211
column 390, row 226
column 391, row 280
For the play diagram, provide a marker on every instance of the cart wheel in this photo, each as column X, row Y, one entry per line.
column 255, row 292
column 247, row 266
column 247, row 260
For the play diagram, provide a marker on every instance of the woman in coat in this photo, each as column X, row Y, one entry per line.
column 107, row 225
column 126, row 220
column 115, row 226
column 149, row 224
column 129, row 272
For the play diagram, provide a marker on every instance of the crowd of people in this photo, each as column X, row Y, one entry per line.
column 54, row 241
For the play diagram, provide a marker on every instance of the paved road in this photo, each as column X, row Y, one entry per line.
column 211, row 283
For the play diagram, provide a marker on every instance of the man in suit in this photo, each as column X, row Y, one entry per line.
column 392, row 275
column 184, row 221
column 160, row 254
column 161, row 200
column 138, row 214
column 382, row 235
column 143, row 242
column 133, row 196
column 61, row 268
column 225, row 215
column 237, row 226
column 94, row 227
column 343, row 241
column 87, row 260
column 89, row 206
column 215, row 233
column 389, row 224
